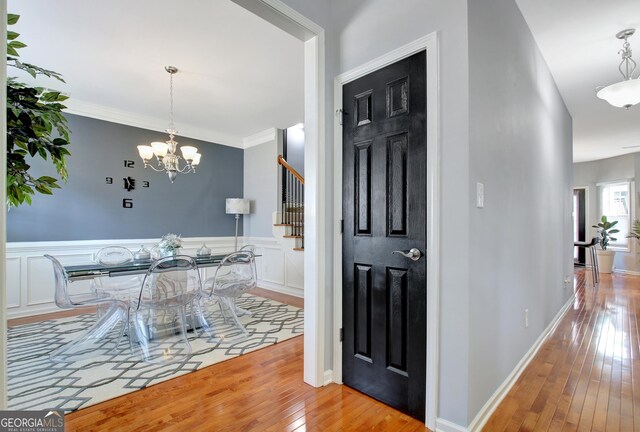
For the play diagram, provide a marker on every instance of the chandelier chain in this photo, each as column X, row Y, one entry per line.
column 171, row 101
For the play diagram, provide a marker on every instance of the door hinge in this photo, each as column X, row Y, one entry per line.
column 341, row 335
column 340, row 115
column 341, row 226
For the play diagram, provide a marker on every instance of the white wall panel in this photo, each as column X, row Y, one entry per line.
column 13, row 280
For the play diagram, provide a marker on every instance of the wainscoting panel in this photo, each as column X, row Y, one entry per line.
column 30, row 281
column 13, row 279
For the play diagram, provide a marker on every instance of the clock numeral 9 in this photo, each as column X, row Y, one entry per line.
column 109, row 180
column 129, row 164
column 127, row 203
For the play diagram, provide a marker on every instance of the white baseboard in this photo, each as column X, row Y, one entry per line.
column 443, row 425
column 485, row 412
column 328, row 377
column 296, row 292
column 627, row 272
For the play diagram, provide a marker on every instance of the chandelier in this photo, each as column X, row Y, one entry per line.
column 626, row 93
column 165, row 152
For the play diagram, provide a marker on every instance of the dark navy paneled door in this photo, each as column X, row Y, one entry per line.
column 384, row 210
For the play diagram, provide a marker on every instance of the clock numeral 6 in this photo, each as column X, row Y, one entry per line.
column 127, row 203
column 109, row 180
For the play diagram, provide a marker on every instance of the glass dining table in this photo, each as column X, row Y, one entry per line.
column 96, row 270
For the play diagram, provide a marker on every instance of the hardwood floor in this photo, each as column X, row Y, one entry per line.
column 586, row 377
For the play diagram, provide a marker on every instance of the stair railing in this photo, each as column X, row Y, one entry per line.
column 292, row 199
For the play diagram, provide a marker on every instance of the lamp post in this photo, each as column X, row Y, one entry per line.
column 237, row 206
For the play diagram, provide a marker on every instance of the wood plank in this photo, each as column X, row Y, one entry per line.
column 587, row 374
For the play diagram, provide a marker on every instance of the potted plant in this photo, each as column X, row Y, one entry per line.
column 605, row 256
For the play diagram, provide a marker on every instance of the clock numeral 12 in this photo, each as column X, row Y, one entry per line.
column 129, row 164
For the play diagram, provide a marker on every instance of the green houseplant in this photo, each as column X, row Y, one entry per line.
column 36, row 126
column 635, row 230
column 606, row 256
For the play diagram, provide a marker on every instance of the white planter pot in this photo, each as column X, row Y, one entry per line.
column 605, row 260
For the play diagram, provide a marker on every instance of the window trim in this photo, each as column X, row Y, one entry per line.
column 630, row 182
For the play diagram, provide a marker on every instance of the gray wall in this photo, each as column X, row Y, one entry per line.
column 520, row 147
column 261, row 187
column 86, row 208
column 589, row 174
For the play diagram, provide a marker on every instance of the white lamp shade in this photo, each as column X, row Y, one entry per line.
column 160, row 149
column 146, row 152
column 237, row 206
column 196, row 159
column 623, row 94
column 188, row 152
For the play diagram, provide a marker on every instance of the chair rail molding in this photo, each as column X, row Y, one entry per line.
column 30, row 283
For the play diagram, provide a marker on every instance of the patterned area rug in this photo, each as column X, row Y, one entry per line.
column 36, row 383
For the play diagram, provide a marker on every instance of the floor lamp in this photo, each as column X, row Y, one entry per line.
column 237, row 206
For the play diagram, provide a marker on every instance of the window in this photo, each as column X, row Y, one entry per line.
column 615, row 204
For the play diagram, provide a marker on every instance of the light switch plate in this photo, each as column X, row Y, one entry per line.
column 479, row 195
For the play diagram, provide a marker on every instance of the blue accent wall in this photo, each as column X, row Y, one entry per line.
column 87, row 208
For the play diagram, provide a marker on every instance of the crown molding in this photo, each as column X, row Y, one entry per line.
column 259, row 138
column 100, row 112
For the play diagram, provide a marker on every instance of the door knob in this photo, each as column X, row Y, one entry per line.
column 413, row 253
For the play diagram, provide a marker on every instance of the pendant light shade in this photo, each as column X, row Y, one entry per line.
column 626, row 93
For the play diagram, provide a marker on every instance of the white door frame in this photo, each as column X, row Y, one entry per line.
column 430, row 44
column 292, row 22
column 3, row 212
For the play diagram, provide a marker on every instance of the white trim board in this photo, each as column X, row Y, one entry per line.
column 443, row 425
column 259, row 138
column 299, row 26
column 490, row 406
column 100, row 112
column 3, row 211
column 429, row 44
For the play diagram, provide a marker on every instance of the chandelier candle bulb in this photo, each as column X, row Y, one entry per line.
column 146, row 152
column 160, row 149
column 188, row 152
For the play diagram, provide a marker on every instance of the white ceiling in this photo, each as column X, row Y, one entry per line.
column 577, row 40
column 239, row 75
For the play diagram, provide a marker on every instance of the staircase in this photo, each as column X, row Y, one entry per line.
column 291, row 214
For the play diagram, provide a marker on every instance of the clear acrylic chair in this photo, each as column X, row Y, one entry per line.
column 158, row 316
column 118, row 287
column 234, row 276
column 247, row 248
column 108, row 329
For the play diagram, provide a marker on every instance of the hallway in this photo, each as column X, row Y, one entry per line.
column 587, row 375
